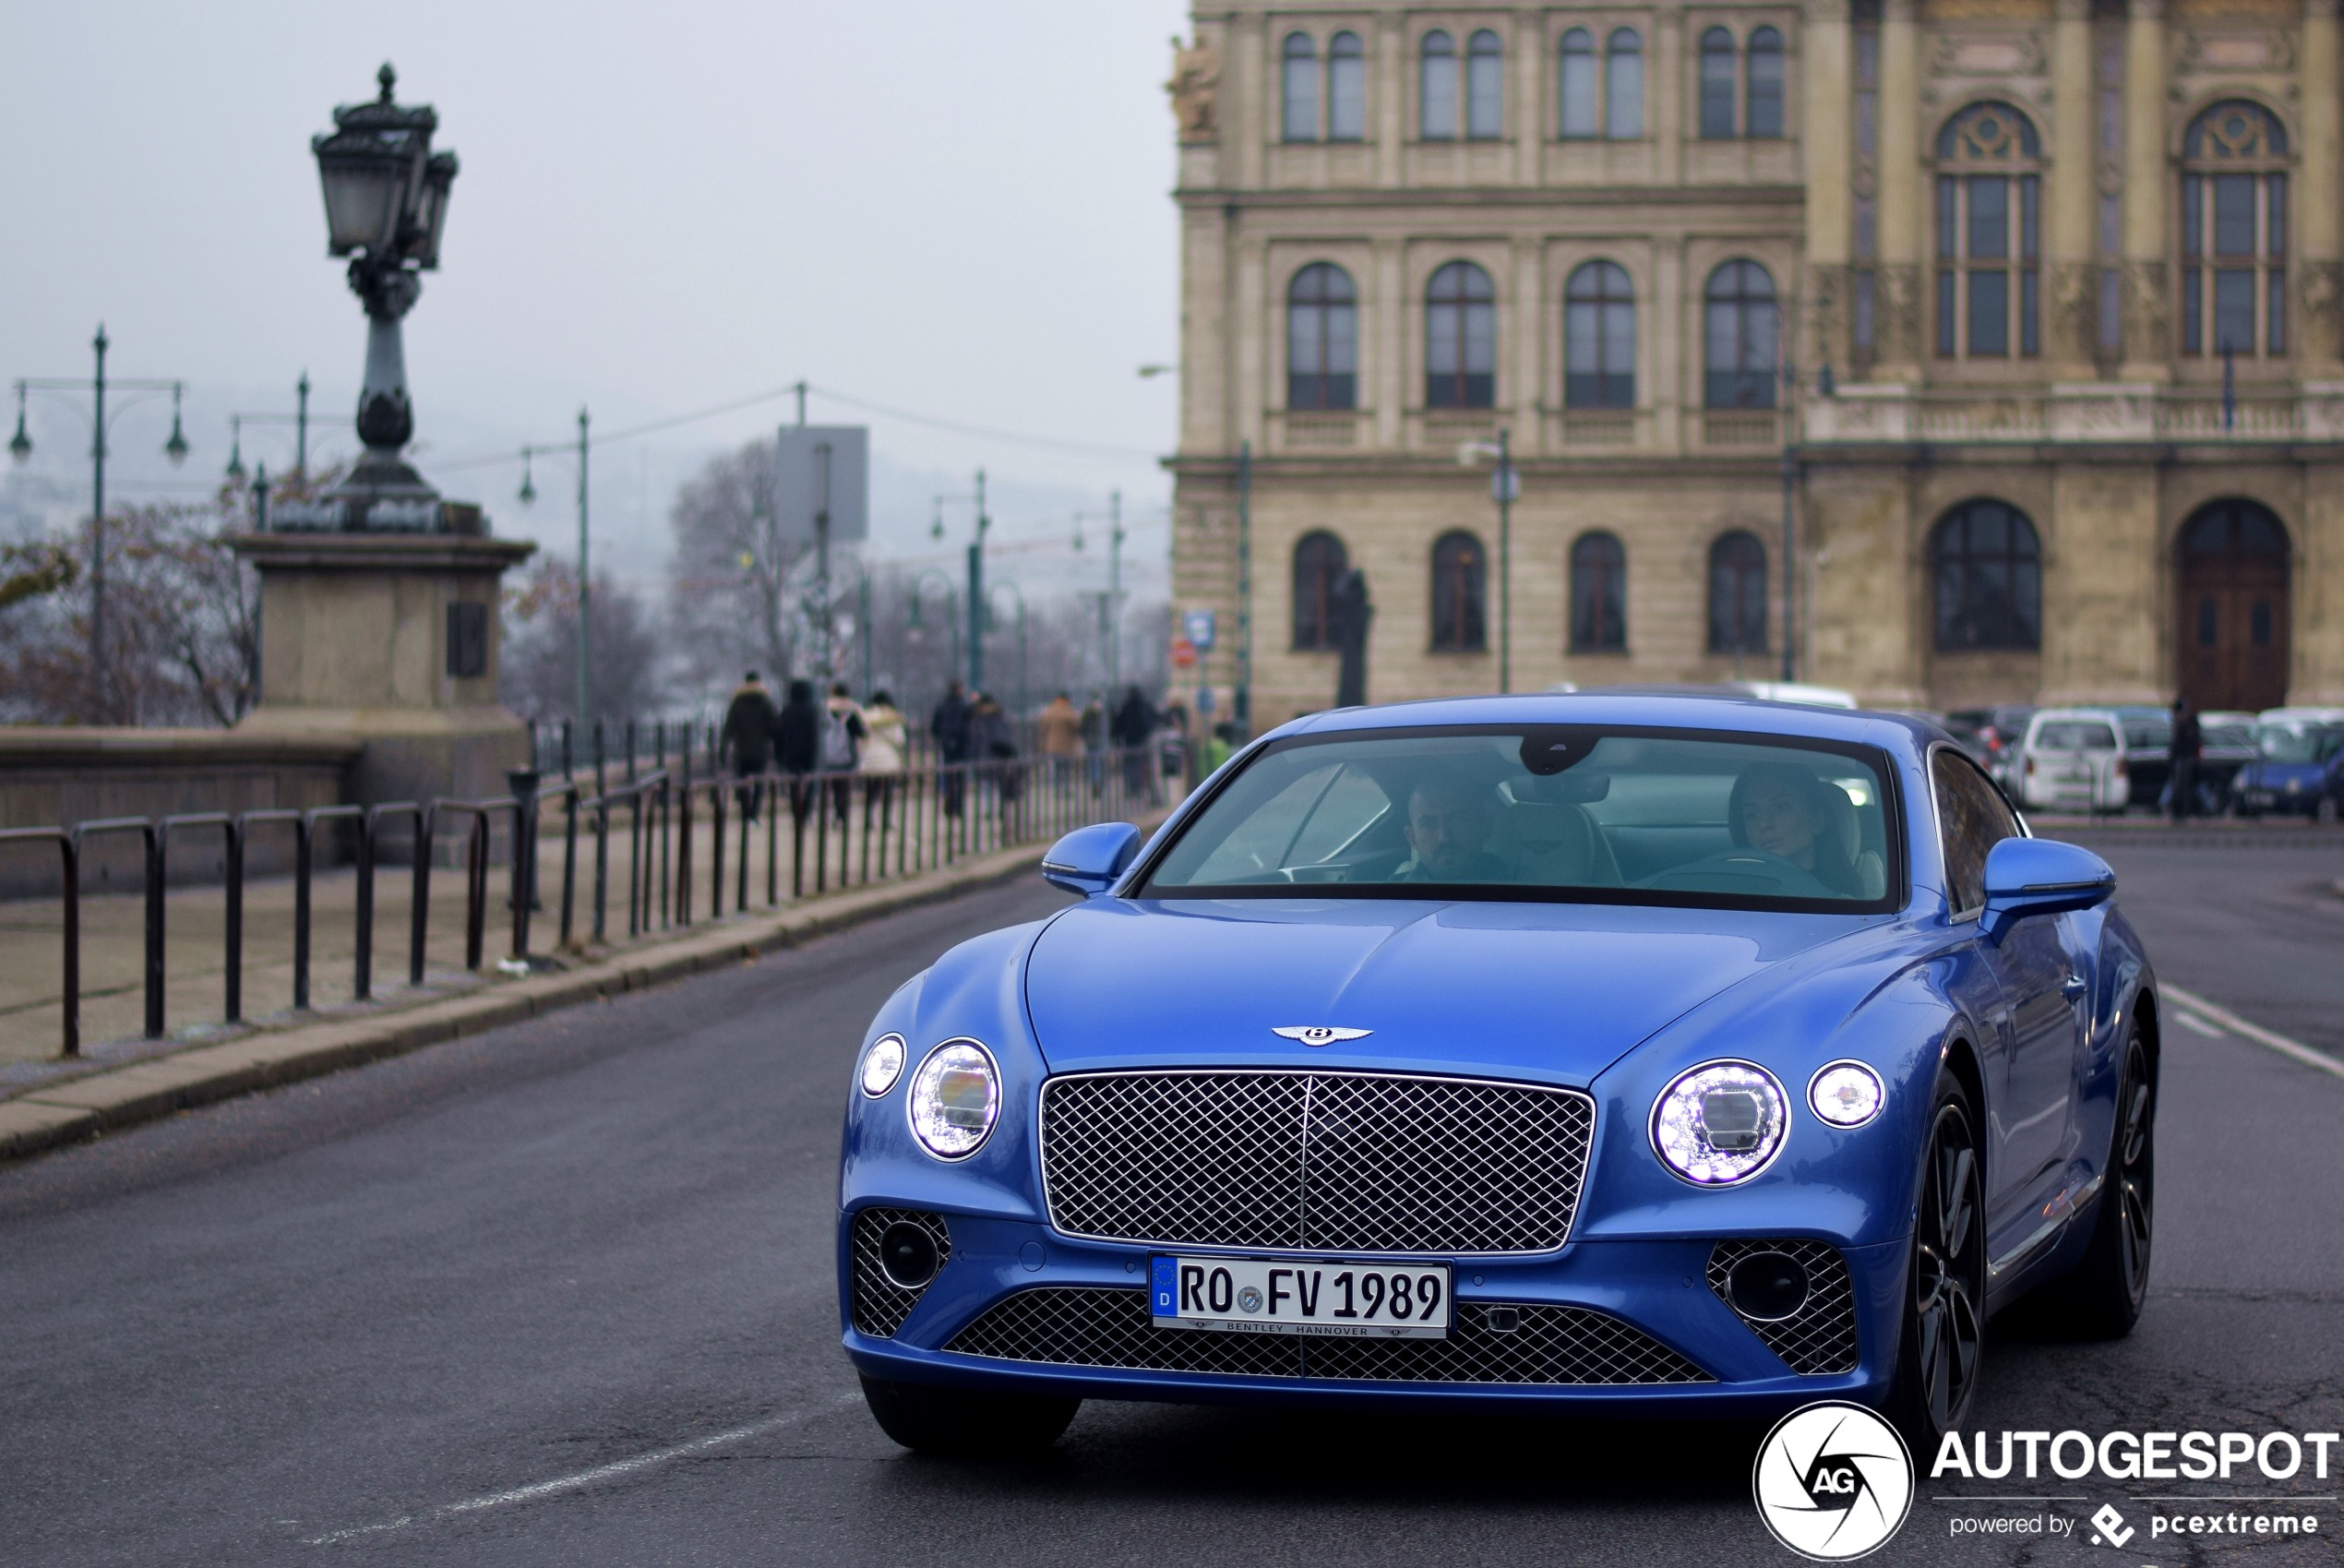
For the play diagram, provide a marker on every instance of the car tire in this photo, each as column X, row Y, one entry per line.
column 960, row 1421
column 2101, row 1297
column 1941, row 1347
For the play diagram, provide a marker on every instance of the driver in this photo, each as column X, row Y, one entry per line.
column 1449, row 823
column 1788, row 812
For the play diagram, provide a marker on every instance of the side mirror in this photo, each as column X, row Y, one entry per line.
column 2033, row 876
column 1088, row 861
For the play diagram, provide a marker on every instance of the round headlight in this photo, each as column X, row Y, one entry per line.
column 956, row 1095
column 1845, row 1094
column 1719, row 1124
column 883, row 1065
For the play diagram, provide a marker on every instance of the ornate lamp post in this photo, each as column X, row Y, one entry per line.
column 386, row 197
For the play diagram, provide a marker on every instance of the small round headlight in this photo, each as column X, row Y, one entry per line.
column 1720, row 1123
column 1845, row 1094
column 955, row 1097
column 883, row 1065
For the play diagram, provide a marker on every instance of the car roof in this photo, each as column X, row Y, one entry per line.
column 1661, row 708
column 2059, row 715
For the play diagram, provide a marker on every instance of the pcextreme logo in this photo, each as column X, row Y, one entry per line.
column 1833, row 1481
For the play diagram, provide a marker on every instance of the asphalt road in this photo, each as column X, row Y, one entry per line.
column 562, row 1294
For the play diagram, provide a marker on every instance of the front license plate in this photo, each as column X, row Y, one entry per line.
column 1262, row 1296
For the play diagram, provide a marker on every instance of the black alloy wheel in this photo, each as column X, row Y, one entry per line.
column 1939, row 1364
column 2102, row 1297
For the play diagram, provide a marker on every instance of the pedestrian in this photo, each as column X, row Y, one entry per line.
column 797, row 741
column 1217, row 749
column 1093, row 730
column 2188, row 744
column 1134, row 724
column 950, row 725
column 887, row 741
column 842, row 733
column 747, row 742
column 1060, row 738
column 994, row 750
column 1176, row 744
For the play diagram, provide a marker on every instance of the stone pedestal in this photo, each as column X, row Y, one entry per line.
column 391, row 640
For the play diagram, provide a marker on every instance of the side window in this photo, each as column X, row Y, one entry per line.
column 1973, row 818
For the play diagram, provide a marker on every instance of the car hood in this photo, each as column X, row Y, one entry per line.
column 1555, row 991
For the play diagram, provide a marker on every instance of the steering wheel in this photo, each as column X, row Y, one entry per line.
column 1747, row 863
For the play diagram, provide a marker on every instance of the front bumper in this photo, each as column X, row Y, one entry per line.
column 1601, row 1311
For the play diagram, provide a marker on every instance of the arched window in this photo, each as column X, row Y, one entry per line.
column 1624, row 90
column 1322, row 338
column 1485, row 86
column 1319, row 562
column 1761, row 107
column 1716, row 85
column 1460, row 338
column 1988, row 571
column 1598, row 596
column 1346, row 88
column 1460, row 574
column 1739, row 335
column 1437, row 87
column 1600, row 338
column 1737, row 593
column 1299, row 81
column 1577, row 87
column 2234, row 166
column 1989, row 235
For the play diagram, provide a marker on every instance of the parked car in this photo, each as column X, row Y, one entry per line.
column 2073, row 760
column 2225, row 744
column 1623, row 1056
column 1991, row 735
column 2148, row 751
column 2298, row 768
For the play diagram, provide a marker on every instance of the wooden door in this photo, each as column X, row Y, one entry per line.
column 2233, row 623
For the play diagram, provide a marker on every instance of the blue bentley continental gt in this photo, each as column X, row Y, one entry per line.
column 1631, row 1054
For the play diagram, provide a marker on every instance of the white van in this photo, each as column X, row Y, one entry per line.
column 2073, row 760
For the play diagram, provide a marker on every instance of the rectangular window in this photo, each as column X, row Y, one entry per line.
column 1989, row 315
column 1484, row 76
column 2192, row 311
column 1989, row 218
column 1623, row 97
column 1948, row 219
column 1867, row 125
column 2234, row 214
column 1347, row 97
column 2029, row 332
column 2030, row 218
column 1578, row 87
column 2234, row 311
column 1864, row 329
column 2276, row 185
column 1717, row 94
column 1301, row 119
column 2278, row 312
column 2192, row 216
column 1440, row 98
column 1947, row 319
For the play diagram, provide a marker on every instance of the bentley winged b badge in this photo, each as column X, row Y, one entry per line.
column 1320, row 1034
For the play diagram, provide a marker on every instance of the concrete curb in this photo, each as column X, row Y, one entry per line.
column 106, row 1101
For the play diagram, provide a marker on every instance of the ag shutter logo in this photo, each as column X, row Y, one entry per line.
column 1833, row 1481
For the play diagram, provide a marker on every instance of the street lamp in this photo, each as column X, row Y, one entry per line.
column 1505, row 488
column 99, row 423
column 386, row 194
column 299, row 419
column 582, row 644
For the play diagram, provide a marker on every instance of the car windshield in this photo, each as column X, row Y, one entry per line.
column 1592, row 813
column 2228, row 738
column 2075, row 735
column 2284, row 743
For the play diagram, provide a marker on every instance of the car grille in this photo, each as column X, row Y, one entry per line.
column 1302, row 1161
column 1081, row 1326
column 1820, row 1336
column 881, row 1304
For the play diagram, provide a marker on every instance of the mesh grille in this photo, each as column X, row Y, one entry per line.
column 1820, row 1336
column 881, row 1304
column 1079, row 1326
column 1314, row 1161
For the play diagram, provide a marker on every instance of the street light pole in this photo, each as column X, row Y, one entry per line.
column 976, row 592
column 301, row 430
column 585, row 591
column 175, row 449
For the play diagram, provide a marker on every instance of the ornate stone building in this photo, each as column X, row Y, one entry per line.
column 2041, row 298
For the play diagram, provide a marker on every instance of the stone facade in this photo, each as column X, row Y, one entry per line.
column 2010, row 232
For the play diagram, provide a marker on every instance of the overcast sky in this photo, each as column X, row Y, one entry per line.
column 955, row 209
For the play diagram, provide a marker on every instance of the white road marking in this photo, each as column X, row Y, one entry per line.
column 2191, row 1020
column 2256, row 1031
column 584, row 1478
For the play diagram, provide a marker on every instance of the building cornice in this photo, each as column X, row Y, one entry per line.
column 1513, row 197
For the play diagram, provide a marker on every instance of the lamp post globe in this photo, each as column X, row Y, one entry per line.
column 386, row 194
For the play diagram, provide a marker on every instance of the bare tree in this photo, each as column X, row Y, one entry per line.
column 730, row 594
column 538, row 672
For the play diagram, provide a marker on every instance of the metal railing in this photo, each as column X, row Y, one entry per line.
column 836, row 830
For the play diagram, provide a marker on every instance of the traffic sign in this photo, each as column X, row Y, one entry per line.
column 1183, row 652
column 1197, row 626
